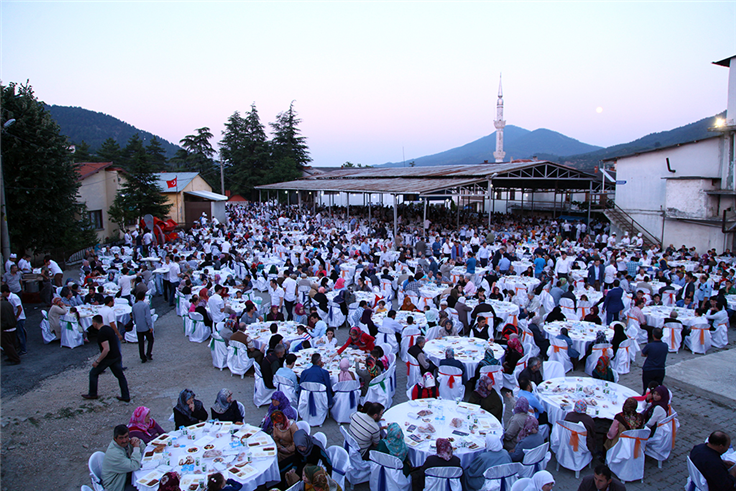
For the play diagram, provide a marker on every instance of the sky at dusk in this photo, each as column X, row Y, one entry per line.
column 371, row 78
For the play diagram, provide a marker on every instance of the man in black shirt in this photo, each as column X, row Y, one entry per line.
column 656, row 353
column 109, row 357
column 271, row 363
column 707, row 458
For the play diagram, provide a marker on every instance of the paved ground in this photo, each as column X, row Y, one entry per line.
column 43, row 413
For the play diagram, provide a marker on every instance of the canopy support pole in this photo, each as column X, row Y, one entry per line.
column 590, row 201
column 396, row 247
column 425, row 215
column 347, row 218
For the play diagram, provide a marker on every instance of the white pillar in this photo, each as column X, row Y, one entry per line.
column 395, row 220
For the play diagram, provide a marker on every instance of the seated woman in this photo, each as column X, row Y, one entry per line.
column 217, row 482
column 556, row 315
column 447, row 328
column 188, row 410
column 143, row 426
column 593, row 316
column 603, row 369
column 315, row 478
column 279, row 402
column 627, row 419
column 226, row 408
column 515, row 423
column 658, row 408
column 381, row 358
column 283, row 434
column 309, row 451
column 487, row 397
column 328, row 340
column 571, row 351
column 372, row 370
column 514, row 353
column 619, row 336
column 394, row 445
column 443, row 458
column 425, row 388
column 345, row 374
column 358, row 340
column 496, row 294
column 528, row 438
column 407, row 305
column 494, row 455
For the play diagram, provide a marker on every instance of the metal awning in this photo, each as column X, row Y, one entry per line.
column 207, row 195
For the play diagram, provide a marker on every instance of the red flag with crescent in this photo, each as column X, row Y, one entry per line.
column 171, row 183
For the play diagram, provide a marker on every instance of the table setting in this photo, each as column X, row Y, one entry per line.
column 260, row 332
column 656, row 314
column 468, row 351
column 582, row 333
column 239, row 451
column 87, row 311
column 331, row 360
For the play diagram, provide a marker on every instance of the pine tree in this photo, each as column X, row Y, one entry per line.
column 110, row 151
column 199, row 156
column 41, row 181
column 82, row 153
column 157, row 154
column 287, row 142
column 245, row 149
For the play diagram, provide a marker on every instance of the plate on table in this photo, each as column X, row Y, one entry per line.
column 151, row 479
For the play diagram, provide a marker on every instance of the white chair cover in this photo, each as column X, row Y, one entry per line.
column 662, row 442
column 672, row 336
column 443, row 479
column 450, row 383
column 719, row 338
column 379, row 390
column 695, row 480
column 322, row 438
column 238, row 361
column 218, row 349
column 46, row 332
column 261, row 394
column 71, row 333
column 287, row 387
column 387, row 290
column 626, row 458
column 699, row 340
column 535, row 460
column 346, row 398
column 595, row 353
column 387, row 473
column 408, row 338
column 505, row 474
column 413, row 372
column 303, row 425
column 387, row 337
column 641, row 334
column 552, row 369
column 335, row 317
column 495, row 372
column 360, row 470
column 568, row 442
column 199, row 332
column 86, row 488
column 558, row 352
column 95, row 470
column 433, row 333
column 313, row 403
column 624, row 356
column 568, row 309
column 340, row 464
column 521, row 484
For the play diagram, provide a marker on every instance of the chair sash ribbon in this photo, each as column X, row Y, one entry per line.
column 312, row 404
column 382, row 479
column 575, row 438
column 637, row 445
column 557, row 349
column 702, row 330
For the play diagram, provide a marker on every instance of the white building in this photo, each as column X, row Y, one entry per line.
column 678, row 194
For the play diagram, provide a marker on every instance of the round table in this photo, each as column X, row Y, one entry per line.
column 468, row 351
column 657, row 314
column 248, row 456
column 468, row 439
column 260, row 332
column 420, row 321
column 605, row 399
column 86, row 312
column 331, row 360
column 582, row 333
column 506, row 311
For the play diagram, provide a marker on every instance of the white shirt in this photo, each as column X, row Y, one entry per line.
column 108, row 315
column 563, row 265
column 173, row 274
column 392, row 324
column 226, row 247
column 24, row 266
column 289, row 286
column 125, row 285
column 609, row 273
column 215, row 304
column 277, row 296
column 15, row 302
column 147, row 238
column 53, row 268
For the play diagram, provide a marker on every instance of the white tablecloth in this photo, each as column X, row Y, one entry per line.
column 517, row 283
column 468, row 351
column 401, row 315
column 260, row 331
column 605, row 399
column 657, row 314
column 582, row 333
column 86, row 312
column 263, row 467
column 331, row 360
column 443, row 413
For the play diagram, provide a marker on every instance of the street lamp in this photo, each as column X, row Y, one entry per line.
column 3, row 210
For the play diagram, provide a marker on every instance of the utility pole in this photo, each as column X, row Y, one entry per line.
column 222, row 175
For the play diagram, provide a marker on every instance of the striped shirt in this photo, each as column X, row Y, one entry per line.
column 365, row 431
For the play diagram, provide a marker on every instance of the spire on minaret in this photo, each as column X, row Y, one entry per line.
column 499, row 123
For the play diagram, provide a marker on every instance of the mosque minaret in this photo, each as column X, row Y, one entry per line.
column 499, row 123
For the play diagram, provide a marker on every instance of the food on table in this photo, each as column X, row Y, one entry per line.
column 159, row 448
column 456, row 422
column 187, row 461
column 149, row 454
column 152, row 482
column 241, row 457
column 218, row 460
column 428, row 428
column 424, row 412
column 193, row 487
column 209, row 447
column 209, row 454
column 193, row 449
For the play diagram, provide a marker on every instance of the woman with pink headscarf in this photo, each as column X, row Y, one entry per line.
column 443, row 458
column 143, row 426
column 345, row 374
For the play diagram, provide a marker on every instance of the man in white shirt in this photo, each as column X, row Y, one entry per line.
column 173, row 277
column 126, row 284
column 54, row 270
column 609, row 275
column 20, row 318
column 25, row 264
column 562, row 266
column 10, row 262
column 217, row 306
column 277, row 294
column 147, row 241
column 289, row 286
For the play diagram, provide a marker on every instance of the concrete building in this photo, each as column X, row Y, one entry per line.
column 190, row 197
column 100, row 182
column 685, row 193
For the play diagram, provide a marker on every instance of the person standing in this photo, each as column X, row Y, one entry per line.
column 8, row 325
column 123, row 456
column 143, row 326
column 109, row 357
column 20, row 317
column 613, row 302
column 173, row 277
column 54, row 270
column 12, row 278
column 289, row 286
column 656, row 353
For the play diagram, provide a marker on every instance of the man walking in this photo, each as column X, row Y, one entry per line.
column 109, row 357
column 8, row 325
column 143, row 326
column 20, row 318
column 656, row 353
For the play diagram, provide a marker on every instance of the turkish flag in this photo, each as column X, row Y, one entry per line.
column 171, row 183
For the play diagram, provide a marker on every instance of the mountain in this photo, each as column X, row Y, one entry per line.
column 94, row 128
column 518, row 143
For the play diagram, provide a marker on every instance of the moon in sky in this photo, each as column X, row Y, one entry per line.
column 599, row 109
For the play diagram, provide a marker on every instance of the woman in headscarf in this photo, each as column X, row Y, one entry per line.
column 658, row 408
column 528, row 438
column 188, row 410
column 579, row 415
column 443, row 458
column 367, row 318
column 226, row 408
column 169, row 482
column 279, row 402
column 509, row 330
column 321, row 299
column 627, row 419
column 283, row 430
column 201, row 307
column 487, row 397
column 447, row 328
column 143, row 426
column 603, row 369
column 494, row 455
column 593, row 316
column 514, row 353
column 425, row 388
column 345, row 374
column 515, row 423
column 541, row 481
column 358, row 340
column 339, row 284
column 556, row 315
column 407, row 305
column 308, row 451
column 394, row 445
column 372, row 370
column 619, row 336
column 315, row 478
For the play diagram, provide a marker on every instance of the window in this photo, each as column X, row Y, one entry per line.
column 95, row 217
column 512, row 195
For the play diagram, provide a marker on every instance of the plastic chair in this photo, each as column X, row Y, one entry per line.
column 450, row 383
column 199, row 332
column 46, row 332
column 297, row 486
column 413, row 372
column 345, row 400
column 238, row 361
column 699, row 340
column 552, row 369
column 71, row 335
column 287, row 387
column 340, row 464
column 624, row 356
column 322, row 438
column 387, row 473
column 218, row 349
column 626, row 458
column 387, row 337
column 505, row 474
column 261, row 393
column 558, row 352
column 379, row 391
column 360, row 470
column 568, row 309
column 495, row 372
column 95, row 470
column 303, row 425
column 521, row 484
column 596, row 352
column 433, row 333
column 313, row 403
column 661, row 444
column 695, row 479
column 568, row 442
column 535, row 460
column 719, row 338
column 672, row 336
column 443, row 479
column 408, row 338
